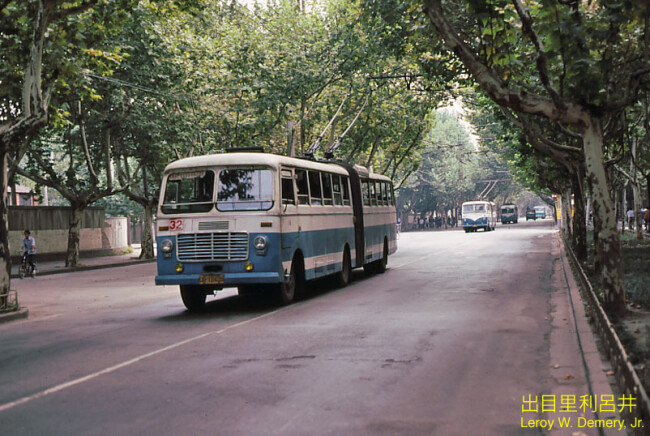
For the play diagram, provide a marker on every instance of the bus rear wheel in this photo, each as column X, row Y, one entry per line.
column 378, row 266
column 343, row 276
column 382, row 263
column 193, row 297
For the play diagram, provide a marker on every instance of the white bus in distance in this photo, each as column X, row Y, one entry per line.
column 479, row 215
column 269, row 223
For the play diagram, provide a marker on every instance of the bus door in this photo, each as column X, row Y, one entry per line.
column 357, row 208
column 290, row 219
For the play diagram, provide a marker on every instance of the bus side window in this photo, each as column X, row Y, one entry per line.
column 327, row 189
column 389, row 193
column 315, row 190
column 384, row 200
column 302, row 186
column 373, row 193
column 346, row 191
column 287, row 191
column 336, row 189
column 366, row 193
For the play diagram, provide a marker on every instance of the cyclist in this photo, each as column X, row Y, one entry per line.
column 29, row 249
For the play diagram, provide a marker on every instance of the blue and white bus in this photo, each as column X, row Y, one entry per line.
column 269, row 223
column 479, row 215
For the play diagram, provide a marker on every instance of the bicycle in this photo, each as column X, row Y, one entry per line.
column 25, row 268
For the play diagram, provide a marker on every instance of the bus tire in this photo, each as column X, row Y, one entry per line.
column 378, row 266
column 381, row 264
column 287, row 291
column 343, row 276
column 193, row 297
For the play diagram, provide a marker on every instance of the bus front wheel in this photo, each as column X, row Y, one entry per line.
column 288, row 289
column 193, row 297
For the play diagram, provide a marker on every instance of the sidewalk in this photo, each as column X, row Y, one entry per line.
column 85, row 264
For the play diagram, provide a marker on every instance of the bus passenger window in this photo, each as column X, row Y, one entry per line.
column 346, row 191
column 381, row 193
column 373, row 194
column 378, row 193
column 327, row 189
column 302, row 186
column 366, row 193
column 336, row 188
column 389, row 193
column 315, row 191
column 287, row 191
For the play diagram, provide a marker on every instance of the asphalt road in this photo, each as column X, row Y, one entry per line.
column 446, row 342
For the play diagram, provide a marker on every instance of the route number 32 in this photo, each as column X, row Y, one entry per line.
column 175, row 225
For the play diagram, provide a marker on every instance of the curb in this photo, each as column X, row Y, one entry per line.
column 12, row 316
column 626, row 377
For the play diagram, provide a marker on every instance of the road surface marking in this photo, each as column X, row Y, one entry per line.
column 114, row 368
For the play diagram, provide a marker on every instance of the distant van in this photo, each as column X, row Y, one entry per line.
column 540, row 212
column 509, row 214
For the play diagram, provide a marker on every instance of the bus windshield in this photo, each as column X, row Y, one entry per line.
column 189, row 192
column 473, row 208
column 245, row 189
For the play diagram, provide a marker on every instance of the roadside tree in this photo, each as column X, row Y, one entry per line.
column 573, row 63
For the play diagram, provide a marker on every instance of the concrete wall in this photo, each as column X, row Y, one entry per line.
column 49, row 226
column 56, row 241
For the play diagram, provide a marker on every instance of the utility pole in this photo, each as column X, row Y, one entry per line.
column 291, row 148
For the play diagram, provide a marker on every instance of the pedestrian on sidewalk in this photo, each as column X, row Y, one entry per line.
column 28, row 246
column 646, row 219
column 630, row 219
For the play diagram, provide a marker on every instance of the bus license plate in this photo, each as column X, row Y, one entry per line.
column 211, row 279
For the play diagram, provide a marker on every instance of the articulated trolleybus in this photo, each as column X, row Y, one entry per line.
column 269, row 223
column 479, row 215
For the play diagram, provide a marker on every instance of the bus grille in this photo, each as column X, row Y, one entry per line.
column 198, row 247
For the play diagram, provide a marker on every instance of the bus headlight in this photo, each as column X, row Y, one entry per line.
column 260, row 243
column 166, row 246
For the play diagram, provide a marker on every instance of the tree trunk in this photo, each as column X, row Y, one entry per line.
column 636, row 195
column 647, row 184
column 567, row 226
column 579, row 217
column 5, row 253
column 74, row 231
column 147, row 235
column 372, row 151
column 638, row 219
column 612, row 268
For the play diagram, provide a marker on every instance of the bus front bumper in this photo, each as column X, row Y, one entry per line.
column 229, row 279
